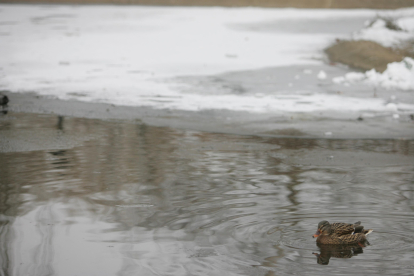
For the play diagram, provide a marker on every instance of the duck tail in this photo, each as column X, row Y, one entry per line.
column 367, row 232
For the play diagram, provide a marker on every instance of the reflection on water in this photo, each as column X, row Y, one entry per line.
column 336, row 251
column 131, row 199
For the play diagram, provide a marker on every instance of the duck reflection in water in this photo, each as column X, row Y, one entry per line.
column 336, row 251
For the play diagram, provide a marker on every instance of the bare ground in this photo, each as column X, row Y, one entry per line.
column 366, row 55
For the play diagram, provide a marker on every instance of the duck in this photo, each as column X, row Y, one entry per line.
column 341, row 233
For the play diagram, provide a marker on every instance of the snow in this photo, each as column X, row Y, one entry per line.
column 398, row 75
column 378, row 32
column 406, row 23
column 322, row 75
column 152, row 41
column 133, row 55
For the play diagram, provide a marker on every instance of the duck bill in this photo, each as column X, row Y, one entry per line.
column 316, row 234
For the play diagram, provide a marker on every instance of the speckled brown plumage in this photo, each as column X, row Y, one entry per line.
column 341, row 233
column 341, row 228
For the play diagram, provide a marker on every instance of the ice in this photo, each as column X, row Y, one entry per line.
column 133, row 55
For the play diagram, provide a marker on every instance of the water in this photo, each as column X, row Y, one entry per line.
column 93, row 197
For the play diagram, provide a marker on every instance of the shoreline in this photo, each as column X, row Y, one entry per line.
column 388, row 118
column 217, row 121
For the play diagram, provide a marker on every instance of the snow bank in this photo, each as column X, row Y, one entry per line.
column 398, row 75
column 400, row 31
column 379, row 33
column 390, row 29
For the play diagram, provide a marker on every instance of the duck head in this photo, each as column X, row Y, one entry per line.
column 324, row 228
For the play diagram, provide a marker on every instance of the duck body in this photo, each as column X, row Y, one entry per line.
column 341, row 233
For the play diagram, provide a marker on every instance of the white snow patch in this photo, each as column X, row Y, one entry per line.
column 322, row 75
column 378, row 32
column 398, row 75
column 130, row 55
column 406, row 23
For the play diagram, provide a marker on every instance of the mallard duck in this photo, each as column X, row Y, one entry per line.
column 341, row 233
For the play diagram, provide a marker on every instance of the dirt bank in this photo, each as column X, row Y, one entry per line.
column 365, row 55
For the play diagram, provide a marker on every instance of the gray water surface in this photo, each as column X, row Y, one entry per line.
column 94, row 197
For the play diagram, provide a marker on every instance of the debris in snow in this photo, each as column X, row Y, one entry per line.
column 321, row 75
column 391, row 106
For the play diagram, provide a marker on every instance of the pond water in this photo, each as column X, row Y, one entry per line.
column 94, row 197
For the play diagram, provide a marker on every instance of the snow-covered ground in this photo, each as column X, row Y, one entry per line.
column 376, row 30
column 141, row 56
column 398, row 75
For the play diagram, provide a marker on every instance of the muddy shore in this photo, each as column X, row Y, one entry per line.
column 240, row 123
